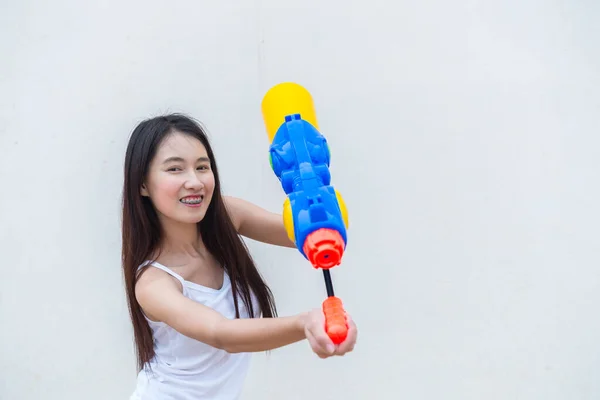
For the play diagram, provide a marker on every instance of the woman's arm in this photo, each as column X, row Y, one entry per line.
column 160, row 297
column 257, row 223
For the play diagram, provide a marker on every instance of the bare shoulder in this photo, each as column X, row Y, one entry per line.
column 154, row 287
column 151, row 277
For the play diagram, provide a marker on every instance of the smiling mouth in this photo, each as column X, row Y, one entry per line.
column 192, row 200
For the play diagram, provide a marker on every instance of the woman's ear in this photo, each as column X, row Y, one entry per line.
column 144, row 190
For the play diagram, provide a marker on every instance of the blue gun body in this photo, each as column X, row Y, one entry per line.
column 300, row 157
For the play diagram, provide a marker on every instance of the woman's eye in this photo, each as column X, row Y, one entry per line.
column 173, row 169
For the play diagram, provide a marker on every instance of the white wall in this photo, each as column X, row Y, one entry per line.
column 464, row 139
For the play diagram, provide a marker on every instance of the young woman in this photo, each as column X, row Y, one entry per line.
column 195, row 296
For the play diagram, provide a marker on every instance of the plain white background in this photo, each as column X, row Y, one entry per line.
column 465, row 142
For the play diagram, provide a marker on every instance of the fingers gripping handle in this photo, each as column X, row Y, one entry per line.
column 335, row 319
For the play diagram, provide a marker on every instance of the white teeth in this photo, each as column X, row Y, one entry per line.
column 192, row 200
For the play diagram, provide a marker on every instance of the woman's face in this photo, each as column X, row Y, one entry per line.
column 180, row 180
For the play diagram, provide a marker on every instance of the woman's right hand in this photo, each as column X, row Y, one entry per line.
column 320, row 342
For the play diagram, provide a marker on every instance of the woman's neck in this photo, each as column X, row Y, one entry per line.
column 183, row 239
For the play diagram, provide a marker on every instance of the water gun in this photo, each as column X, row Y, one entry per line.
column 314, row 213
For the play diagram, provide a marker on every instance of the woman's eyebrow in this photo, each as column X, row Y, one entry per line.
column 179, row 159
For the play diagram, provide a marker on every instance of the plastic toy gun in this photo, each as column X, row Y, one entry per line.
column 314, row 213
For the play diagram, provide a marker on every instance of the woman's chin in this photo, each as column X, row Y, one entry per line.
column 194, row 219
column 190, row 218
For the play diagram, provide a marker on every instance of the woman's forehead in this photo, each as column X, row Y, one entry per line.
column 182, row 146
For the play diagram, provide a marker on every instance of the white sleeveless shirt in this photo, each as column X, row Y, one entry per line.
column 186, row 369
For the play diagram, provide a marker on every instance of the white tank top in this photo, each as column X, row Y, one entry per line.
column 186, row 369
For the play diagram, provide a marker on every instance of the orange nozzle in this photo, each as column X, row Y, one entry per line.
column 324, row 248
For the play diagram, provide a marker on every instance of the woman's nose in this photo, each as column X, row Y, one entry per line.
column 193, row 183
